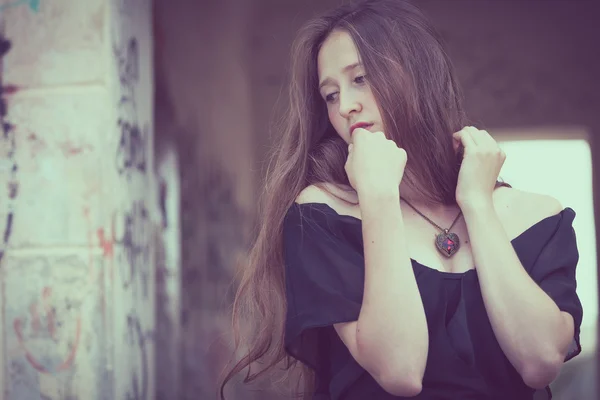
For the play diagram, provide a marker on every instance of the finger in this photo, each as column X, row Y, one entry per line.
column 476, row 136
column 350, row 146
column 465, row 138
column 457, row 135
column 486, row 140
column 485, row 135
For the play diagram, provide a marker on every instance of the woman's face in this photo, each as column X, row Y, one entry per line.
column 343, row 86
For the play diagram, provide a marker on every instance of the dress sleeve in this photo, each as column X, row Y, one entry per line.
column 554, row 271
column 324, row 275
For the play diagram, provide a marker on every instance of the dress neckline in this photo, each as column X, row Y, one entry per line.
column 455, row 275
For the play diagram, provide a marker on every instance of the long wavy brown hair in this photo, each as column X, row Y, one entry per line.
column 413, row 83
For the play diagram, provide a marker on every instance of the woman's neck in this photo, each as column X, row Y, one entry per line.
column 424, row 205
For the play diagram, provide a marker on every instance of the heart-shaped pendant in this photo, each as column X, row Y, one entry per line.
column 447, row 243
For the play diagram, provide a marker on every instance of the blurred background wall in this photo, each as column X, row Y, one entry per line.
column 133, row 141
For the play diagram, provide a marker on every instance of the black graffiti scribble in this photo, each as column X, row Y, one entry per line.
column 132, row 149
column 132, row 160
column 139, row 376
column 10, row 160
column 131, row 153
column 136, row 246
column 129, row 68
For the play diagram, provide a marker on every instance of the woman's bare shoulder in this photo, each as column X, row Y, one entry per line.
column 520, row 209
column 343, row 200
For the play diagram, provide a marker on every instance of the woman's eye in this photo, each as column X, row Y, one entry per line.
column 330, row 97
column 360, row 79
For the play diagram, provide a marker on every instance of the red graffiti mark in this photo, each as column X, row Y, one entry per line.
column 91, row 245
column 35, row 318
column 69, row 149
column 106, row 244
column 36, row 327
column 50, row 312
column 44, row 305
column 37, row 144
column 10, row 89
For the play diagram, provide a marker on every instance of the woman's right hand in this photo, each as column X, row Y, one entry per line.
column 375, row 163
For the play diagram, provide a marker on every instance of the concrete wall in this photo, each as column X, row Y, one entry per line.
column 78, row 206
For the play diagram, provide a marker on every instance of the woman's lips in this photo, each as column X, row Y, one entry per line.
column 359, row 125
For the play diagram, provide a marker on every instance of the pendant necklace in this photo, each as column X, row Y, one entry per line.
column 446, row 242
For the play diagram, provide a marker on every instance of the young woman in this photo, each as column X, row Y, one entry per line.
column 390, row 262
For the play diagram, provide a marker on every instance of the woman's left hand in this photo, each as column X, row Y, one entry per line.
column 481, row 165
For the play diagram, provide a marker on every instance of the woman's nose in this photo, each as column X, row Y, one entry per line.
column 349, row 104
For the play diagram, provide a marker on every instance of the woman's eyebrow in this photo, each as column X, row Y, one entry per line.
column 347, row 68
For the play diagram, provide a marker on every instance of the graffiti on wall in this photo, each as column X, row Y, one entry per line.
column 43, row 324
column 134, row 256
column 43, row 328
column 131, row 251
column 136, row 242
column 131, row 153
column 47, row 334
column 8, row 163
column 128, row 58
column 133, row 144
column 50, row 351
column 137, row 338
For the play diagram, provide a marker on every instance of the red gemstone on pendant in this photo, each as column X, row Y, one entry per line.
column 447, row 243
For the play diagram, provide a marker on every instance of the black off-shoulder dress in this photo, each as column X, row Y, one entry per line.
column 323, row 253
